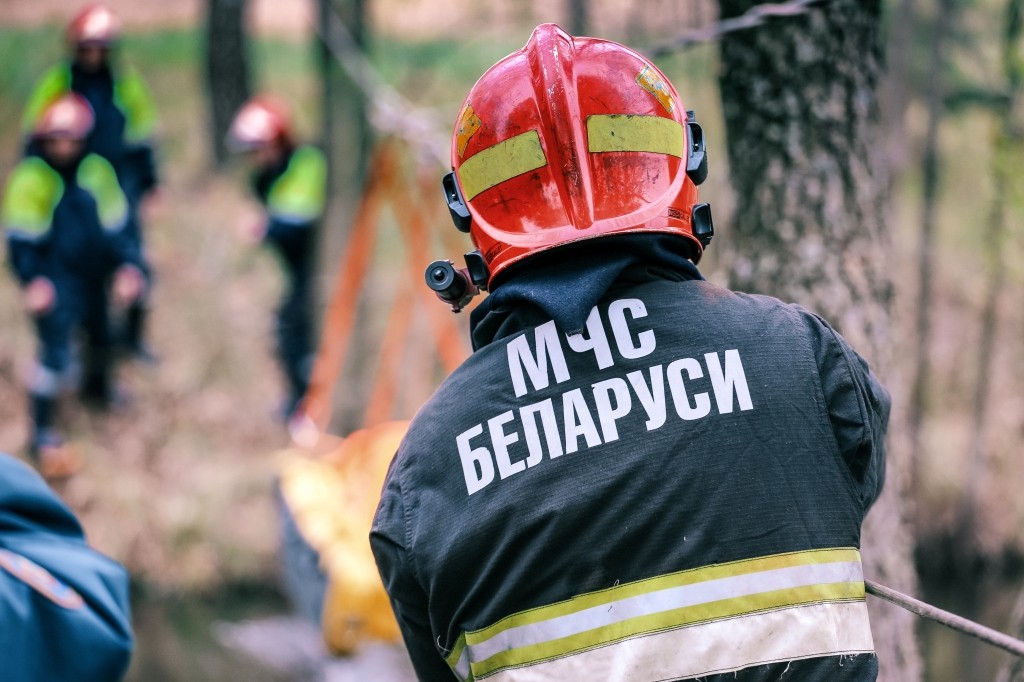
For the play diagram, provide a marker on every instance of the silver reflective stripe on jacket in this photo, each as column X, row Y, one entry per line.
column 698, row 622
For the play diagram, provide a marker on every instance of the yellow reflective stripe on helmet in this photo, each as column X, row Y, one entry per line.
column 501, row 162
column 633, row 133
column 681, row 599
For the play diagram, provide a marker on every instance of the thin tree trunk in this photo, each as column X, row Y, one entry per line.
column 1004, row 168
column 894, row 93
column 227, row 69
column 801, row 113
column 996, row 269
column 926, row 246
column 1013, row 668
column 579, row 20
column 347, row 139
column 1004, row 171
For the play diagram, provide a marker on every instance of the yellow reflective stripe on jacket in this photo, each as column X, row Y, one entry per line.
column 500, row 162
column 686, row 599
column 786, row 635
column 300, row 192
column 632, row 133
column 131, row 96
column 97, row 176
column 33, row 192
column 133, row 99
column 54, row 83
column 458, row 659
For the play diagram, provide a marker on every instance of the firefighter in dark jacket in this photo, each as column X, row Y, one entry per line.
column 64, row 607
column 66, row 218
column 637, row 475
column 122, row 134
column 289, row 179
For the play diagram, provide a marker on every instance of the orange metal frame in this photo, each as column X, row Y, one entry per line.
column 411, row 203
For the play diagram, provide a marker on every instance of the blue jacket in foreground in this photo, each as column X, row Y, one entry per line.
column 64, row 611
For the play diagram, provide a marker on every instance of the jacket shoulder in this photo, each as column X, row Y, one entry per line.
column 32, row 194
column 54, row 82
column 98, row 177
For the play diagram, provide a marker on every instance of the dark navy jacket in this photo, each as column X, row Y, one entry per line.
column 293, row 192
column 64, row 612
column 675, row 493
column 69, row 225
column 124, row 119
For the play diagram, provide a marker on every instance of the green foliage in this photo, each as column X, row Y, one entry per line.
column 25, row 53
column 164, row 50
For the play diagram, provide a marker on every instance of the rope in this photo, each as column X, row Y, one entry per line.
column 392, row 113
column 950, row 620
column 755, row 16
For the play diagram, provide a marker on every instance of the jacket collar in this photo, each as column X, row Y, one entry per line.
column 568, row 282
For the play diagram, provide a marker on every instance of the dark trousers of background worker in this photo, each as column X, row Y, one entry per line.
column 135, row 167
column 81, row 306
column 131, row 335
column 132, row 327
column 295, row 338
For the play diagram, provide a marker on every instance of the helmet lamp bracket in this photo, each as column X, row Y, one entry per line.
column 457, row 286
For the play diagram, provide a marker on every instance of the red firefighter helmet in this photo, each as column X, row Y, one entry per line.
column 260, row 122
column 68, row 116
column 95, row 25
column 570, row 139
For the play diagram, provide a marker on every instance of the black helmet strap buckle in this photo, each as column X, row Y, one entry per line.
column 697, row 158
column 456, row 204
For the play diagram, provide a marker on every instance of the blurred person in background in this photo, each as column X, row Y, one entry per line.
column 64, row 607
column 125, row 118
column 289, row 180
column 66, row 221
column 637, row 475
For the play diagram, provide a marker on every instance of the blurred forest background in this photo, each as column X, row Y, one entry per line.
column 178, row 483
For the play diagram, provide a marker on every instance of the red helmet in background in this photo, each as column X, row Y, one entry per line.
column 570, row 139
column 68, row 116
column 260, row 122
column 95, row 26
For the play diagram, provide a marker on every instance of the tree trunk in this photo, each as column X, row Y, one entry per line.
column 1012, row 669
column 227, row 69
column 926, row 244
column 347, row 139
column 801, row 119
column 1005, row 167
column 579, row 23
column 895, row 89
